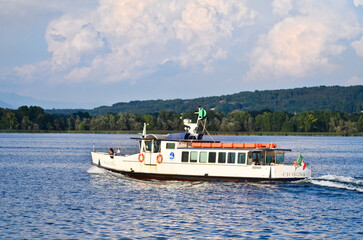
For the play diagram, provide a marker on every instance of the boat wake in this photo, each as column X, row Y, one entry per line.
column 349, row 183
column 96, row 170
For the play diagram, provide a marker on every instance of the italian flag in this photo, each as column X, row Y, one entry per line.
column 300, row 161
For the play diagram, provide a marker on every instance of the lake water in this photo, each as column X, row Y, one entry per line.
column 49, row 190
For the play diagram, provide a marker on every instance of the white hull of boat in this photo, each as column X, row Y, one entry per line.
column 172, row 169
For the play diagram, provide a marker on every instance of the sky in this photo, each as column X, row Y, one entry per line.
column 93, row 53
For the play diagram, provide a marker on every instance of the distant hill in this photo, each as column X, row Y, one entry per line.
column 336, row 98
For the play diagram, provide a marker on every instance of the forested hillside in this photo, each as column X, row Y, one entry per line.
column 336, row 98
column 35, row 119
column 335, row 110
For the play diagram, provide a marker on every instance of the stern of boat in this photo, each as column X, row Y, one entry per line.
column 290, row 172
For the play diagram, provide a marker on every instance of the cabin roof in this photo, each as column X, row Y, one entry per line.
column 161, row 138
column 187, row 137
column 239, row 149
column 150, row 137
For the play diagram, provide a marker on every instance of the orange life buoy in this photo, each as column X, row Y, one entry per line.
column 159, row 158
column 141, row 157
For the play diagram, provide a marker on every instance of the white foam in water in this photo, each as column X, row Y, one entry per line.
column 341, row 182
column 96, row 170
column 340, row 179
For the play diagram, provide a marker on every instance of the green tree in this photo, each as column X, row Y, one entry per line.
column 249, row 124
column 306, row 122
column 26, row 124
column 121, row 121
column 7, row 119
column 150, row 120
column 263, row 122
column 360, row 123
column 70, row 122
column 278, row 119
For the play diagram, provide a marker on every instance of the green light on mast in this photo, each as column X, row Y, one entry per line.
column 202, row 113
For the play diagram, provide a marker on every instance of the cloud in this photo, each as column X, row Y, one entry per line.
column 358, row 47
column 27, row 72
column 69, row 39
column 304, row 43
column 281, row 7
column 358, row 3
column 113, row 41
column 124, row 40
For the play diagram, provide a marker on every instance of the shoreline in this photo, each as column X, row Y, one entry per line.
column 315, row 134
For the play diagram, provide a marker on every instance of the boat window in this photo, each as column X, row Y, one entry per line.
column 221, row 157
column 170, row 145
column 279, row 158
column 256, row 156
column 193, row 156
column 231, row 157
column 268, row 159
column 203, row 157
column 249, row 158
column 185, row 156
column 241, row 158
column 148, row 146
column 156, row 146
column 212, row 157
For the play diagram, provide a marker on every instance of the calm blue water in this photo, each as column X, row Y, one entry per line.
column 49, row 190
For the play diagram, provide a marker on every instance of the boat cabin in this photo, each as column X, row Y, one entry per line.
column 178, row 148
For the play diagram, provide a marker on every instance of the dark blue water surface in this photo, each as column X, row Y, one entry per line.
column 49, row 190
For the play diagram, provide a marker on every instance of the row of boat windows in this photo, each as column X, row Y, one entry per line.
column 213, row 157
column 218, row 157
column 156, row 148
column 230, row 157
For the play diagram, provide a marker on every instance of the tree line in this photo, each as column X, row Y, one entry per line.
column 34, row 118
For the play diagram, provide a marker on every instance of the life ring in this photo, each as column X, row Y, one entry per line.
column 141, row 157
column 159, row 158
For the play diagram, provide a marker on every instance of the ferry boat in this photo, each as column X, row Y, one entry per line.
column 187, row 156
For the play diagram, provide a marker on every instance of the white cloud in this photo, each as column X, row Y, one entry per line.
column 27, row 72
column 281, row 7
column 128, row 39
column 78, row 73
column 358, row 47
column 69, row 39
column 302, row 44
column 358, row 3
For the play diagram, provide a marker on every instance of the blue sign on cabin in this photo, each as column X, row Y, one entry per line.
column 172, row 155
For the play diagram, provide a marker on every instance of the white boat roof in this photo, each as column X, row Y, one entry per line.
column 187, row 137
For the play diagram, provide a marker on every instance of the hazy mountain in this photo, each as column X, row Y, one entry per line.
column 5, row 105
column 13, row 101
